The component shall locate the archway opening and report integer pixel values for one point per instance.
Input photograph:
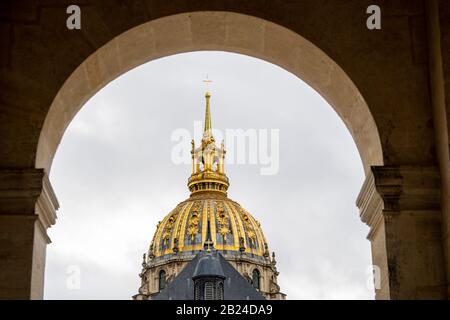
(223, 31)
(116, 175)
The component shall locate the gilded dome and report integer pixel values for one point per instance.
(233, 229)
(208, 221)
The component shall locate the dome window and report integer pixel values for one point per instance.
(162, 280)
(256, 279)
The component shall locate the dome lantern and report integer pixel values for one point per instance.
(208, 160)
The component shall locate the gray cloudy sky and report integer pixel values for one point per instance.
(115, 179)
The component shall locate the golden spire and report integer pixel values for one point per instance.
(208, 125)
(208, 172)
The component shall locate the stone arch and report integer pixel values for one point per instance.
(401, 72)
(220, 31)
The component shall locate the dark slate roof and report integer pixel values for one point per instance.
(236, 287)
(208, 265)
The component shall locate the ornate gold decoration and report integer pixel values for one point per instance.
(194, 220)
(251, 234)
(208, 184)
(222, 220)
(208, 160)
(165, 237)
(168, 227)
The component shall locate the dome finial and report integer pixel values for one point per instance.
(207, 125)
(208, 173)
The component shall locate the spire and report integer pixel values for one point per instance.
(208, 160)
(207, 125)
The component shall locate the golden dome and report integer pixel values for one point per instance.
(233, 229)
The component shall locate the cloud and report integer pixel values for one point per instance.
(115, 180)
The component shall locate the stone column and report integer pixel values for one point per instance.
(27, 208)
(438, 35)
(401, 205)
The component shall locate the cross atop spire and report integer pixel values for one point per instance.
(208, 160)
(207, 82)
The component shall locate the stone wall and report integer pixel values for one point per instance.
(391, 87)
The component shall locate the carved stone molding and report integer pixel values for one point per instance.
(19, 190)
(388, 190)
(401, 205)
(370, 204)
(28, 192)
(46, 205)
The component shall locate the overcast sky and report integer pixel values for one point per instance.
(115, 177)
